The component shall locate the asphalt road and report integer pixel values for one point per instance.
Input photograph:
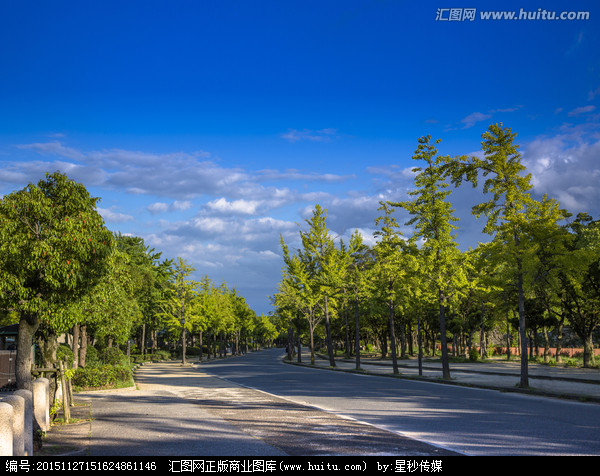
(465, 420)
(177, 410)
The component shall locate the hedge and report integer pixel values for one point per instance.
(103, 376)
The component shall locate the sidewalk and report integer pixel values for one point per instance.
(152, 418)
(561, 382)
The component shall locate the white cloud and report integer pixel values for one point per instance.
(593, 94)
(322, 135)
(161, 207)
(158, 207)
(53, 148)
(112, 216)
(474, 118)
(245, 207)
(566, 167)
(582, 110)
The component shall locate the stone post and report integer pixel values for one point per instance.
(18, 424)
(41, 403)
(6, 429)
(28, 428)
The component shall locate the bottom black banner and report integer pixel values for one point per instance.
(231, 465)
(253, 464)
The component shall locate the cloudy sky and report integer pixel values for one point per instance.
(210, 128)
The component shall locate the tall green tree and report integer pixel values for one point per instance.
(357, 281)
(146, 269)
(507, 210)
(177, 306)
(581, 283)
(390, 271)
(440, 259)
(302, 290)
(321, 261)
(54, 249)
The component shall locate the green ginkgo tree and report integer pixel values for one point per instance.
(508, 211)
(439, 257)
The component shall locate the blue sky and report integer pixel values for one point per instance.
(210, 128)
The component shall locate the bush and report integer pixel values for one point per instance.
(92, 359)
(192, 351)
(64, 353)
(104, 376)
(158, 355)
(474, 354)
(112, 356)
(161, 355)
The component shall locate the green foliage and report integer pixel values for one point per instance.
(102, 377)
(64, 354)
(92, 358)
(535, 262)
(53, 249)
(112, 356)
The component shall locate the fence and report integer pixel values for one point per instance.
(7, 369)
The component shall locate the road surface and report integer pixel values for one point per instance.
(465, 420)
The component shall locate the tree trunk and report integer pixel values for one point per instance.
(75, 346)
(328, 335)
(347, 350)
(393, 339)
(83, 349)
(524, 382)
(48, 346)
(312, 346)
(201, 344)
(357, 332)
(559, 338)
(143, 343)
(507, 333)
(444, 343)
(28, 325)
(419, 345)
(290, 340)
(588, 351)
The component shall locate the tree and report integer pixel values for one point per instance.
(112, 308)
(390, 270)
(177, 305)
(53, 250)
(147, 275)
(319, 256)
(439, 257)
(357, 282)
(581, 283)
(507, 211)
(302, 290)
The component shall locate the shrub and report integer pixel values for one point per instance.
(161, 355)
(104, 376)
(64, 354)
(474, 354)
(92, 359)
(112, 356)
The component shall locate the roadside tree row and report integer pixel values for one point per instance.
(63, 273)
(538, 274)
